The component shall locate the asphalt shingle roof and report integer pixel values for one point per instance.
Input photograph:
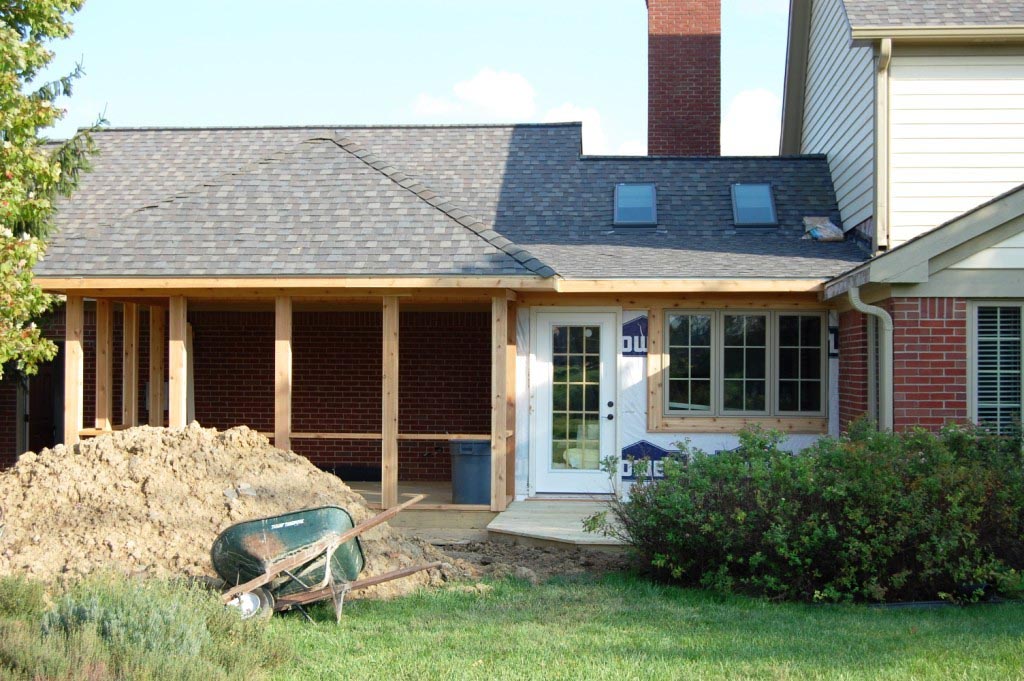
(934, 13)
(427, 200)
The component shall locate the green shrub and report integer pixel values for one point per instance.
(871, 516)
(134, 629)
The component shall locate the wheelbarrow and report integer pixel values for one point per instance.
(291, 560)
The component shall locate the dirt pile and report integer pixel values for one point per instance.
(152, 500)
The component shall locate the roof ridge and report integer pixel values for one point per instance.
(444, 205)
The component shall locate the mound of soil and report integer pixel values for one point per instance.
(152, 500)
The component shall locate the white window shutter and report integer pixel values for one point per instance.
(998, 392)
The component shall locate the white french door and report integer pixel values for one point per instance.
(574, 376)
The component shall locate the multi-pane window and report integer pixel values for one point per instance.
(576, 397)
(997, 395)
(745, 363)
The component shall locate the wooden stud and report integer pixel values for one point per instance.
(177, 406)
(74, 368)
(157, 331)
(499, 400)
(130, 365)
(104, 400)
(283, 372)
(655, 373)
(389, 405)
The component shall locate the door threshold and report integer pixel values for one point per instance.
(570, 496)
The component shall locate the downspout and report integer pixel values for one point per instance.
(885, 380)
(883, 237)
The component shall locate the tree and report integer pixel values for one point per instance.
(34, 171)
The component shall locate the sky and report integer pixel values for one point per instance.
(253, 62)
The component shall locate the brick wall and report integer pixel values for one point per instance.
(444, 381)
(929, 361)
(853, 367)
(684, 77)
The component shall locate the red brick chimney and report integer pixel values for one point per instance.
(684, 79)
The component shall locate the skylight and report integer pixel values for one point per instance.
(753, 205)
(635, 204)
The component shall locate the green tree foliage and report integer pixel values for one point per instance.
(33, 170)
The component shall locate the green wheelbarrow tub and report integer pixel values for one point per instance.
(251, 548)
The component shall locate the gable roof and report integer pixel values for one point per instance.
(423, 200)
(914, 261)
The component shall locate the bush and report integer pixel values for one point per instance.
(871, 516)
(111, 627)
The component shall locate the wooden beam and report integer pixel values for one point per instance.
(499, 397)
(130, 365)
(689, 285)
(104, 400)
(177, 406)
(283, 372)
(389, 405)
(655, 368)
(336, 436)
(157, 331)
(281, 284)
(74, 368)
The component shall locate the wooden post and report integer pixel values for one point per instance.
(130, 366)
(157, 329)
(74, 367)
(499, 406)
(389, 406)
(104, 364)
(283, 373)
(177, 406)
(510, 411)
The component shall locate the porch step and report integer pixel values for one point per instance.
(551, 523)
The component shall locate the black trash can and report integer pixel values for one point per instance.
(471, 472)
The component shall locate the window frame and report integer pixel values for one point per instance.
(771, 204)
(662, 419)
(653, 222)
(972, 350)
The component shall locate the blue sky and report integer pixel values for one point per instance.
(251, 62)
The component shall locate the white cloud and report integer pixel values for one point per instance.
(594, 139)
(632, 148)
(751, 124)
(498, 93)
(488, 96)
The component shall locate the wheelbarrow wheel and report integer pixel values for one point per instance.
(255, 604)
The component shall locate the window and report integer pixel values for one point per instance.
(730, 363)
(753, 205)
(997, 366)
(635, 204)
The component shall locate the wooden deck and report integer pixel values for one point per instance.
(551, 523)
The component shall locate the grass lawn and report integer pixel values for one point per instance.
(623, 627)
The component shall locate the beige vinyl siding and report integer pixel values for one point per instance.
(839, 109)
(956, 136)
(1006, 255)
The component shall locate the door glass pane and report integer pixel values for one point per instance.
(576, 374)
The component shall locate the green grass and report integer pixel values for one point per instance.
(623, 627)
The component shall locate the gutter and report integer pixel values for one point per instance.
(885, 360)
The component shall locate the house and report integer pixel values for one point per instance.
(370, 295)
(919, 107)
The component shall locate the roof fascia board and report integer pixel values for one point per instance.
(690, 285)
(797, 49)
(162, 284)
(939, 33)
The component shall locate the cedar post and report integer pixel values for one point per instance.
(177, 407)
(510, 411)
(283, 372)
(74, 368)
(130, 366)
(389, 405)
(499, 405)
(157, 327)
(104, 364)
